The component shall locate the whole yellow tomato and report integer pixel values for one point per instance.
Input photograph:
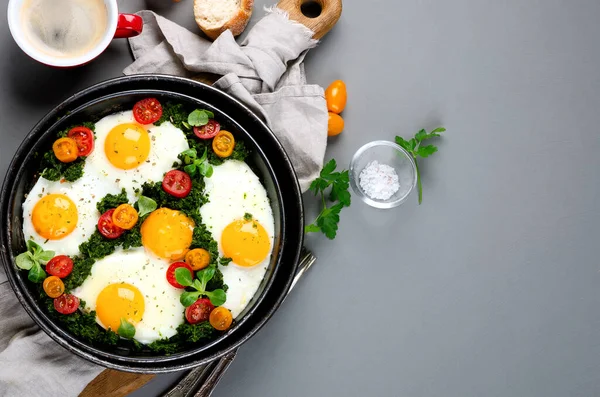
(336, 96)
(335, 125)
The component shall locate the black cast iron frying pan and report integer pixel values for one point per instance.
(269, 161)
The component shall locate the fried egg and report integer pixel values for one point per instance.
(167, 233)
(60, 216)
(132, 285)
(129, 154)
(240, 218)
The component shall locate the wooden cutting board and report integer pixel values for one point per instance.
(321, 16)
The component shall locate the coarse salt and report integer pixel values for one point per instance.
(379, 181)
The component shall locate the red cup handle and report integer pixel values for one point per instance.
(128, 25)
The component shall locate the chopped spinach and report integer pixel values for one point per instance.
(82, 268)
(111, 201)
(53, 169)
(186, 335)
(97, 247)
(196, 332)
(177, 114)
(190, 205)
(82, 325)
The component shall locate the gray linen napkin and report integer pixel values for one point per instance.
(265, 71)
(267, 74)
(31, 363)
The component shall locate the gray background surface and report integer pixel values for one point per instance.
(491, 287)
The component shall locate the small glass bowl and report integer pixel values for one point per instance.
(391, 154)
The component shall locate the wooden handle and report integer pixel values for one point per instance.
(307, 13)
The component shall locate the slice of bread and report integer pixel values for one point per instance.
(216, 16)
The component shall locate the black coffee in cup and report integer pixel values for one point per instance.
(64, 28)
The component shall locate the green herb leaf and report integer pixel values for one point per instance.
(328, 168)
(199, 117)
(339, 190)
(420, 135)
(412, 144)
(426, 151)
(197, 285)
(206, 169)
(190, 169)
(414, 147)
(36, 273)
(146, 205)
(186, 125)
(187, 299)
(312, 228)
(45, 256)
(34, 247)
(405, 145)
(183, 276)
(24, 261)
(205, 275)
(204, 156)
(191, 153)
(247, 216)
(329, 219)
(217, 297)
(126, 329)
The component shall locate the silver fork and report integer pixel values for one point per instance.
(201, 381)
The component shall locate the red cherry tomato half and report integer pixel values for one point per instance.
(147, 111)
(171, 273)
(209, 130)
(199, 311)
(66, 304)
(177, 183)
(107, 227)
(84, 137)
(60, 266)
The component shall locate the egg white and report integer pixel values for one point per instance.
(166, 142)
(163, 312)
(234, 190)
(85, 193)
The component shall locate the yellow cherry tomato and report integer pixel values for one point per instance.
(125, 216)
(223, 144)
(65, 150)
(53, 286)
(220, 318)
(335, 125)
(197, 258)
(336, 96)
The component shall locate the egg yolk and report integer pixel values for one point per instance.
(118, 301)
(127, 146)
(54, 216)
(167, 233)
(246, 242)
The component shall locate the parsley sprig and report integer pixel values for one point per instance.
(414, 147)
(328, 219)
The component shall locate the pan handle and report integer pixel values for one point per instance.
(202, 380)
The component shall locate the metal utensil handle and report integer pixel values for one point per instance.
(201, 381)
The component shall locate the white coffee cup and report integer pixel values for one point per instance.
(117, 26)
